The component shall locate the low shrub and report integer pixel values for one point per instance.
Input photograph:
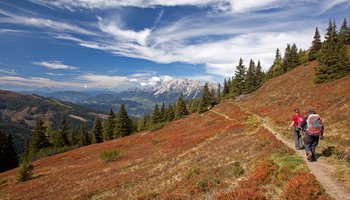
(24, 172)
(155, 141)
(108, 156)
(292, 162)
(237, 169)
(303, 185)
(2, 181)
(192, 172)
(156, 126)
(205, 184)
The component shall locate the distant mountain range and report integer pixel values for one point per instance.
(138, 100)
(18, 114)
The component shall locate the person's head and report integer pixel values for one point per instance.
(297, 111)
(311, 112)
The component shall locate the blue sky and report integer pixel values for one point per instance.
(94, 44)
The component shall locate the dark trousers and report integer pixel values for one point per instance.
(297, 137)
(311, 143)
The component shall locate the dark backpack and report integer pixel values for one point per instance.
(314, 125)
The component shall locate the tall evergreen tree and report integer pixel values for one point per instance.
(108, 126)
(181, 109)
(344, 33)
(276, 68)
(169, 113)
(39, 139)
(219, 92)
(162, 112)
(333, 62)
(61, 136)
(74, 136)
(206, 99)
(226, 89)
(156, 115)
(260, 76)
(123, 126)
(84, 138)
(316, 46)
(286, 64)
(96, 136)
(238, 83)
(294, 57)
(8, 155)
(250, 83)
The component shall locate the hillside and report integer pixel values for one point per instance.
(277, 99)
(18, 113)
(192, 158)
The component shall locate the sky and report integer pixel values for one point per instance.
(117, 44)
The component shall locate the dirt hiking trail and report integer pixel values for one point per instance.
(321, 169)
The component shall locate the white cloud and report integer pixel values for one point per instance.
(42, 23)
(96, 81)
(8, 71)
(37, 82)
(55, 64)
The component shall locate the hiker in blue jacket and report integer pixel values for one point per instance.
(313, 127)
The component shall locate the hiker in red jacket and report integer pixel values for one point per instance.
(313, 126)
(296, 128)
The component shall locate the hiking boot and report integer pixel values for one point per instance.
(309, 157)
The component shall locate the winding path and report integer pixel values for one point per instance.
(321, 169)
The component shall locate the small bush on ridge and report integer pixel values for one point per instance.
(24, 172)
(108, 156)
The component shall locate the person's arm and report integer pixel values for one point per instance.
(304, 122)
(291, 124)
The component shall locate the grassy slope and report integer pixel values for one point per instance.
(194, 158)
(277, 99)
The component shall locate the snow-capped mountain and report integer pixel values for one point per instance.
(189, 88)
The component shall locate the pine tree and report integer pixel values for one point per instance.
(294, 57)
(74, 136)
(276, 68)
(344, 33)
(156, 115)
(226, 89)
(8, 155)
(250, 83)
(170, 113)
(84, 138)
(97, 130)
(206, 99)
(303, 57)
(162, 112)
(219, 93)
(260, 76)
(181, 109)
(238, 83)
(61, 136)
(286, 64)
(316, 46)
(108, 126)
(123, 126)
(333, 62)
(39, 139)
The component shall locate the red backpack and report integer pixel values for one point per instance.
(314, 125)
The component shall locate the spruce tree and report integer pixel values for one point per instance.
(344, 33)
(219, 93)
(74, 136)
(61, 136)
(8, 155)
(276, 68)
(238, 83)
(156, 115)
(123, 126)
(39, 139)
(170, 113)
(226, 89)
(260, 76)
(333, 62)
(84, 138)
(206, 99)
(316, 46)
(181, 109)
(250, 83)
(294, 57)
(162, 112)
(286, 64)
(97, 130)
(108, 126)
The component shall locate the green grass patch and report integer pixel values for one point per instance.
(2, 181)
(157, 126)
(292, 162)
(193, 172)
(155, 141)
(253, 120)
(237, 169)
(108, 156)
